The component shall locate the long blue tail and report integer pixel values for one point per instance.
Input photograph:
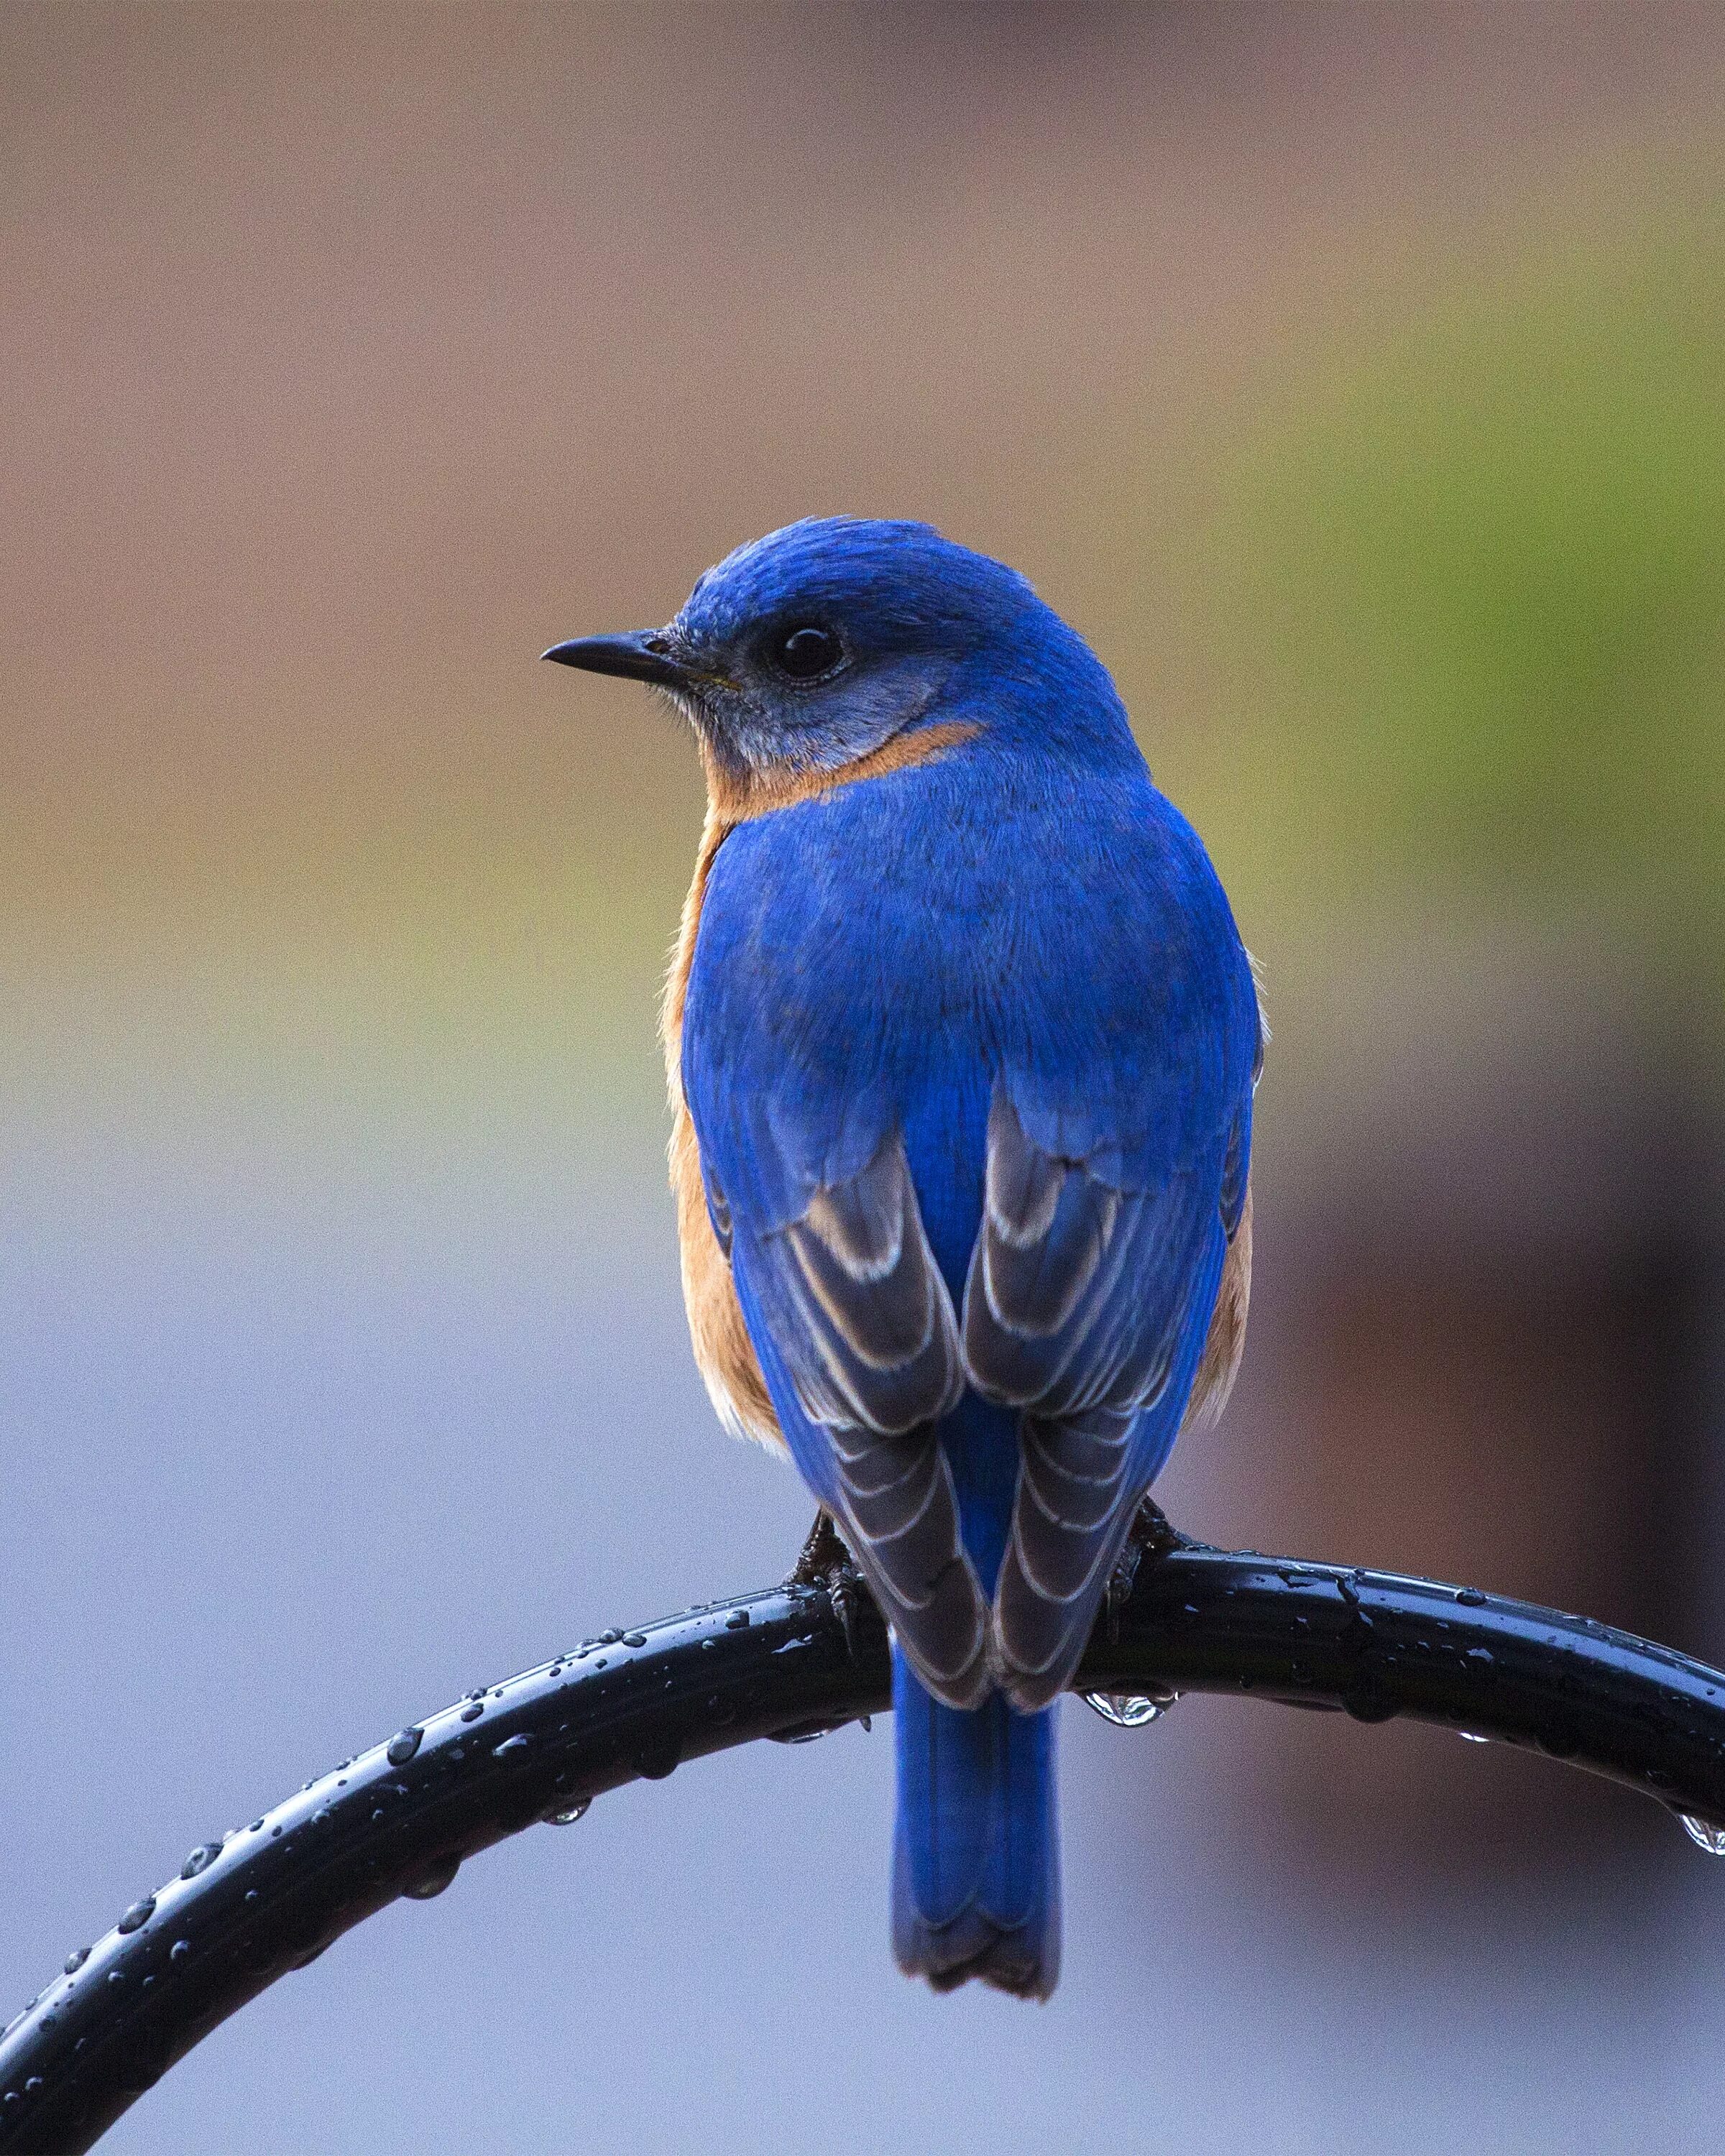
(976, 1870)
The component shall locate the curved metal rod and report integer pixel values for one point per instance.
(791, 1663)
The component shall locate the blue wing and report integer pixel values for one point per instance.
(810, 1190)
(1087, 1305)
(848, 1294)
(969, 1130)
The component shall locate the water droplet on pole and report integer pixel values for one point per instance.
(1127, 1710)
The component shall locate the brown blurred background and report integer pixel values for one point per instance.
(1354, 377)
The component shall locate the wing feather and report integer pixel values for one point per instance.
(862, 1324)
(1083, 1302)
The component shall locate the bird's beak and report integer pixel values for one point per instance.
(644, 654)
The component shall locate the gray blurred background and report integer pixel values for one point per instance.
(1354, 377)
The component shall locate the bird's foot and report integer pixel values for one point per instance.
(1152, 1534)
(826, 1563)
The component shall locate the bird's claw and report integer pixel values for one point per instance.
(825, 1563)
(823, 1552)
(1151, 1534)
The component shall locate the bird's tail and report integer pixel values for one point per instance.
(976, 1873)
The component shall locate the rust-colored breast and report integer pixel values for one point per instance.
(1226, 1341)
(736, 797)
(723, 1353)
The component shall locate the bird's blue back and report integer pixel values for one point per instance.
(882, 955)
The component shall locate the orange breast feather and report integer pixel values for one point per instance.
(1225, 1342)
(723, 1354)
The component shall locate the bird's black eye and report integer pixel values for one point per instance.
(806, 652)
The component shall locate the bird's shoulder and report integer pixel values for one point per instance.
(1072, 913)
(976, 849)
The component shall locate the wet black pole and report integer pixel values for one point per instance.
(787, 1663)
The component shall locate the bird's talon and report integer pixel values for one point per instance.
(823, 1553)
(826, 1563)
(1151, 1534)
(841, 1590)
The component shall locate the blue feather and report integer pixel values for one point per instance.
(976, 1867)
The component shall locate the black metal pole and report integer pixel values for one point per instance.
(789, 1663)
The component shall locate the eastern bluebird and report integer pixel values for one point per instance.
(962, 1043)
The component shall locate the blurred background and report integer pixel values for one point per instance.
(1354, 377)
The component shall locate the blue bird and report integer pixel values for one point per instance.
(962, 1044)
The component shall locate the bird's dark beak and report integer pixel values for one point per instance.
(644, 654)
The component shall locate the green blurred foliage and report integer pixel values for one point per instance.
(1469, 578)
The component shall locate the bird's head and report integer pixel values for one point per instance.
(805, 650)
